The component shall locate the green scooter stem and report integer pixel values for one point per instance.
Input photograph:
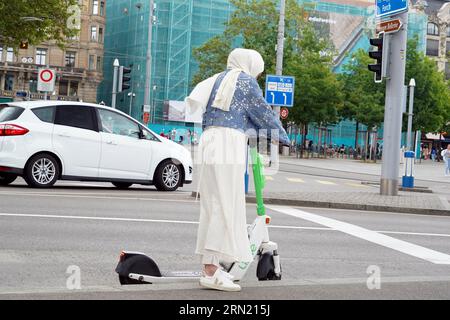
(259, 179)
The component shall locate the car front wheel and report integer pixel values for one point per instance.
(6, 179)
(42, 171)
(168, 177)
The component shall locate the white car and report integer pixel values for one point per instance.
(46, 141)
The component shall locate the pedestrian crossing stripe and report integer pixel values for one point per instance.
(269, 178)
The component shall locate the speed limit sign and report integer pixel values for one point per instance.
(46, 80)
(284, 113)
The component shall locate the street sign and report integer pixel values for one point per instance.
(46, 80)
(280, 90)
(284, 113)
(389, 26)
(390, 7)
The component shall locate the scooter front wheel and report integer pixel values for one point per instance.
(266, 268)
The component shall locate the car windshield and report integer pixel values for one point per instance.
(9, 113)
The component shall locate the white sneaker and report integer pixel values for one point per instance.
(219, 281)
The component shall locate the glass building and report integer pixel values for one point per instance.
(182, 25)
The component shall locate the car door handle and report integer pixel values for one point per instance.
(112, 143)
(65, 135)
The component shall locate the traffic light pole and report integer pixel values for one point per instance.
(393, 110)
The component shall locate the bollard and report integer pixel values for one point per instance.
(408, 177)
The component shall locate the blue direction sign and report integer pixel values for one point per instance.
(280, 90)
(390, 7)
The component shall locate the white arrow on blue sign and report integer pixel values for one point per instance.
(390, 7)
(280, 90)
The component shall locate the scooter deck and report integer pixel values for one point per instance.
(169, 277)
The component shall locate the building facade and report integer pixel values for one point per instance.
(79, 66)
(438, 32)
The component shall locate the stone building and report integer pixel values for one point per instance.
(79, 66)
(438, 32)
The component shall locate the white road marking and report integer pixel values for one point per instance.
(45, 216)
(50, 216)
(295, 180)
(269, 178)
(112, 196)
(369, 235)
(326, 182)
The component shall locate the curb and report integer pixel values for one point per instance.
(345, 206)
(350, 206)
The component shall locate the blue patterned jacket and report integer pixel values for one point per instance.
(249, 111)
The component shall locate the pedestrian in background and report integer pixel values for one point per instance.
(446, 156)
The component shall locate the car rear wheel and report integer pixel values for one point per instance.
(168, 176)
(6, 179)
(122, 185)
(42, 171)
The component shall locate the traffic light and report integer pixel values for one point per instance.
(23, 45)
(124, 78)
(381, 55)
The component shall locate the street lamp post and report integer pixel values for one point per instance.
(131, 95)
(114, 89)
(412, 84)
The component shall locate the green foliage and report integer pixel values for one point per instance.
(254, 25)
(431, 94)
(51, 23)
(363, 98)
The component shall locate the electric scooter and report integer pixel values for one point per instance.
(138, 268)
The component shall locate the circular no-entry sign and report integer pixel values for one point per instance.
(46, 75)
(284, 113)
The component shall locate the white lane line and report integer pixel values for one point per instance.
(296, 180)
(46, 216)
(50, 216)
(87, 196)
(329, 183)
(371, 236)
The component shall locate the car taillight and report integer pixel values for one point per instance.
(12, 130)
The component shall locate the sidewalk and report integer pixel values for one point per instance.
(406, 202)
(424, 171)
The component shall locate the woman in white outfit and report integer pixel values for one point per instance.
(232, 104)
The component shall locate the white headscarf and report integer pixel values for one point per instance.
(239, 60)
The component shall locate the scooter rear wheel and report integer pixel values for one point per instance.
(126, 281)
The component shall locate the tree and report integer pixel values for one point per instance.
(363, 98)
(35, 21)
(431, 94)
(254, 25)
(318, 94)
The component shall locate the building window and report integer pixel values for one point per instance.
(93, 33)
(33, 85)
(448, 32)
(100, 35)
(41, 56)
(73, 89)
(433, 48)
(102, 8)
(1, 53)
(432, 29)
(99, 64)
(70, 59)
(91, 62)
(63, 88)
(9, 82)
(10, 55)
(95, 7)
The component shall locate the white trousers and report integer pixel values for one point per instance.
(222, 233)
